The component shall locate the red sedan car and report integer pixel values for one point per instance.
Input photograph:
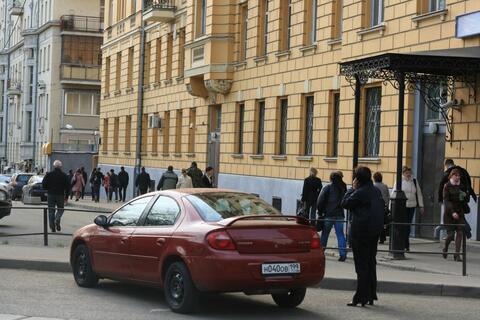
(201, 240)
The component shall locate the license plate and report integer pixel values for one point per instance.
(280, 268)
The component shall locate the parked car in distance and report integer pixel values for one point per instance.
(5, 178)
(33, 192)
(191, 241)
(17, 182)
(5, 202)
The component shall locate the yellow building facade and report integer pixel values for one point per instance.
(253, 88)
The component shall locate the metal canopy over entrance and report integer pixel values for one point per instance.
(420, 71)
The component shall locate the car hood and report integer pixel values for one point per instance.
(85, 231)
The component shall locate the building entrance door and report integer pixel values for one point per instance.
(433, 156)
(214, 130)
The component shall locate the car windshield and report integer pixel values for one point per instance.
(222, 205)
(23, 178)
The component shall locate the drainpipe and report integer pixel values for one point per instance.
(138, 151)
(35, 92)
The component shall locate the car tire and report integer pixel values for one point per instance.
(82, 268)
(181, 294)
(291, 299)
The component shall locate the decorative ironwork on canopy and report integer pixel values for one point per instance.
(425, 72)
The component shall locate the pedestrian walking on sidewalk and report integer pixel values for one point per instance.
(69, 193)
(207, 179)
(123, 180)
(312, 185)
(78, 184)
(57, 185)
(106, 186)
(366, 206)
(143, 181)
(465, 182)
(454, 199)
(97, 182)
(411, 187)
(90, 179)
(85, 177)
(329, 204)
(196, 175)
(184, 181)
(168, 180)
(113, 186)
(382, 187)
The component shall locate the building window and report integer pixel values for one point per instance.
(79, 50)
(168, 73)
(262, 28)
(116, 124)
(166, 132)
(105, 135)
(308, 125)
(118, 73)
(121, 6)
(334, 118)
(155, 138)
(201, 17)
(178, 131)
(1, 129)
(260, 127)
(285, 24)
(133, 6)
(146, 64)
(110, 13)
(130, 67)
(28, 126)
(435, 96)
(436, 5)
(82, 103)
(243, 26)
(181, 52)
(239, 124)
(107, 75)
(282, 122)
(192, 117)
(372, 121)
(128, 132)
(158, 59)
(30, 84)
(337, 26)
(310, 22)
(376, 12)
(144, 137)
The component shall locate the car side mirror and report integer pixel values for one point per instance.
(101, 221)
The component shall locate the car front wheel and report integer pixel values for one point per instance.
(82, 268)
(290, 299)
(180, 292)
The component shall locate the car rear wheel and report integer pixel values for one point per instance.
(180, 292)
(290, 299)
(82, 268)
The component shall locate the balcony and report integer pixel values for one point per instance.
(81, 23)
(72, 73)
(16, 8)
(159, 10)
(14, 88)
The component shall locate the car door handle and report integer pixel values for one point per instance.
(123, 240)
(160, 241)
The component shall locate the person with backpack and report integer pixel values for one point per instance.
(411, 187)
(329, 205)
(168, 180)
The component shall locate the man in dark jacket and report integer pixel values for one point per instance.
(312, 185)
(85, 179)
(367, 208)
(207, 179)
(123, 183)
(143, 181)
(113, 186)
(196, 175)
(465, 181)
(168, 180)
(96, 181)
(56, 183)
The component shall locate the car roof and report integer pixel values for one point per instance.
(193, 191)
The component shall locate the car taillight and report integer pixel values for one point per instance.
(220, 240)
(315, 242)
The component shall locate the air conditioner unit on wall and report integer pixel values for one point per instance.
(154, 121)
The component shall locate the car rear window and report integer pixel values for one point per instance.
(222, 205)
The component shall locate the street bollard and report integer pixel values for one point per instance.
(45, 227)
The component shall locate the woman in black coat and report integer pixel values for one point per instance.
(367, 208)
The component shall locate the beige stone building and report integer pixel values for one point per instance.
(253, 88)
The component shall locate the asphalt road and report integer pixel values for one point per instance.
(23, 221)
(55, 295)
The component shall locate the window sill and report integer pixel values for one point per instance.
(330, 159)
(308, 49)
(333, 42)
(143, 154)
(378, 28)
(156, 85)
(165, 154)
(179, 79)
(257, 156)
(240, 65)
(167, 82)
(104, 152)
(106, 95)
(177, 155)
(190, 155)
(127, 153)
(117, 93)
(369, 160)
(305, 158)
(280, 157)
(115, 153)
(281, 54)
(260, 59)
(154, 154)
(129, 90)
(425, 16)
(237, 156)
(146, 87)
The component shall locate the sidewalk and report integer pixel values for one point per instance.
(88, 204)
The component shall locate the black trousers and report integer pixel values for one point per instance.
(122, 190)
(364, 255)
